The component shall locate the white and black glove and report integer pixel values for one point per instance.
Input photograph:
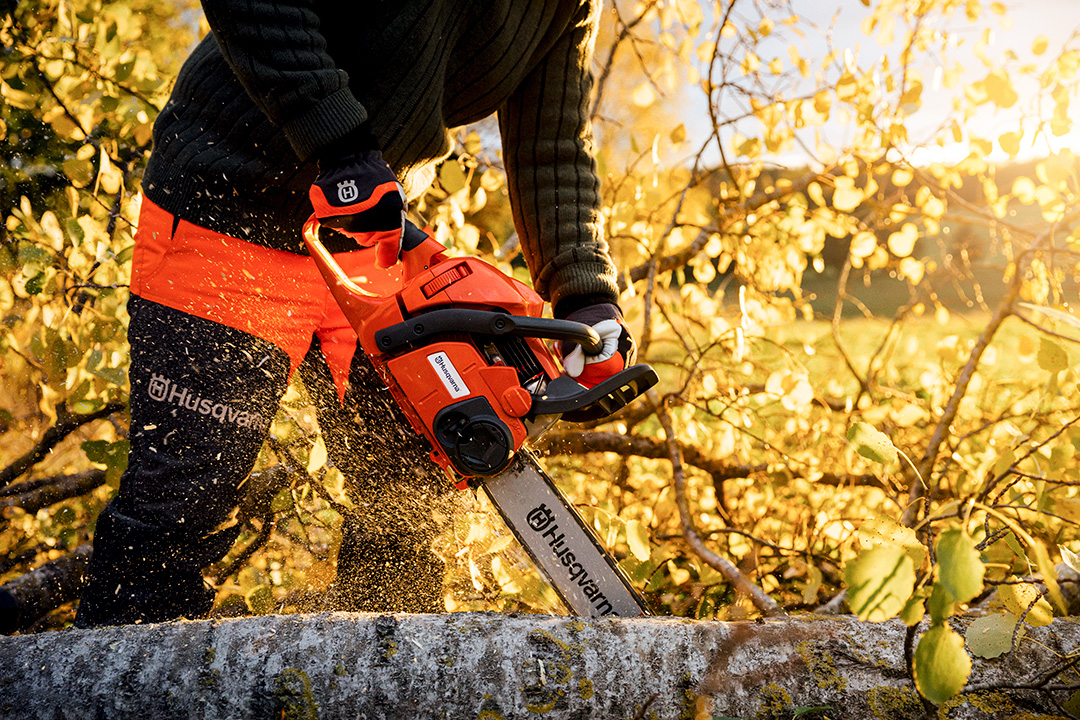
(618, 353)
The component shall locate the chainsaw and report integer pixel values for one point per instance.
(461, 346)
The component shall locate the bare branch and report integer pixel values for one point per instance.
(67, 423)
(59, 488)
(725, 567)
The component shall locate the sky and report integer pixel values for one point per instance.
(1057, 20)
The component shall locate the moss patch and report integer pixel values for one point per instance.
(894, 703)
(292, 688)
(821, 665)
(775, 703)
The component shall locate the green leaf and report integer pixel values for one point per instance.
(941, 605)
(35, 284)
(1052, 357)
(637, 537)
(1072, 705)
(991, 635)
(871, 444)
(915, 609)
(879, 582)
(887, 531)
(282, 501)
(260, 599)
(96, 450)
(941, 665)
(960, 568)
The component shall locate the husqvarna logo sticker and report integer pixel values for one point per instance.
(346, 191)
(539, 518)
(449, 375)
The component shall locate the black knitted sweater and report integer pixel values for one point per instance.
(279, 80)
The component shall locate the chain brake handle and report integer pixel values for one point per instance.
(419, 252)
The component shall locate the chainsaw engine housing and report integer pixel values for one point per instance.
(462, 348)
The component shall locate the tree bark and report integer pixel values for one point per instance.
(487, 665)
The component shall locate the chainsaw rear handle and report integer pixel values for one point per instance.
(418, 330)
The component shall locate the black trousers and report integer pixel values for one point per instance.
(203, 396)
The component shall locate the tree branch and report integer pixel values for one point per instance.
(725, 567)
(67, 422)
(60, 487)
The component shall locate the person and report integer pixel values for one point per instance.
(286, 107)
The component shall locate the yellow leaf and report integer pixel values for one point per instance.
(1038, 47)
(1000, 90)
(637, 537)
(912, 269)
(317, 458)
(1010, 143)
(1024, 190)
(1018, 597)
(643, 95)
(863, 244)
(451, 176)
(901, 177)
(902, 242)
(846, 197)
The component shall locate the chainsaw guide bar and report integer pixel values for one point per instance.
(564, 549)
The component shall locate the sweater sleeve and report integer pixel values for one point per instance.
(280, 56)
(551, 172)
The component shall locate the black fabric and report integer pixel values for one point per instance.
(202, 399)
(356, 141)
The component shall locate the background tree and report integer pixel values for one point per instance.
(858, 299)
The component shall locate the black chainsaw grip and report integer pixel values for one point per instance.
(425, 326)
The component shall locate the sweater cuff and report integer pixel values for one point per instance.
(593, 282)
(325, 122)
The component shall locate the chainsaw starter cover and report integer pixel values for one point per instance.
(473, 436)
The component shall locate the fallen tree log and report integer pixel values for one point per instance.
(490, 666)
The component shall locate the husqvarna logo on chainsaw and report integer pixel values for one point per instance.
(542, 520)
(539, 517)
(346, 191)
(449, 375)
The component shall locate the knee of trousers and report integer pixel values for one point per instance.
(135, 552)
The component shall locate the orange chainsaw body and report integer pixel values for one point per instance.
(451, 368)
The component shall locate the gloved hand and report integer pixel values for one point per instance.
(358, 195)
(619, 350)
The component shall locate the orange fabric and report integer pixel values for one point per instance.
(272, 294)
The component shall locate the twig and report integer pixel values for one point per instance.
(739, 582)
(267, 529)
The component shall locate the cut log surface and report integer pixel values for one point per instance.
(486, 666)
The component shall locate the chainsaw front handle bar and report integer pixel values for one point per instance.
(484, 322)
